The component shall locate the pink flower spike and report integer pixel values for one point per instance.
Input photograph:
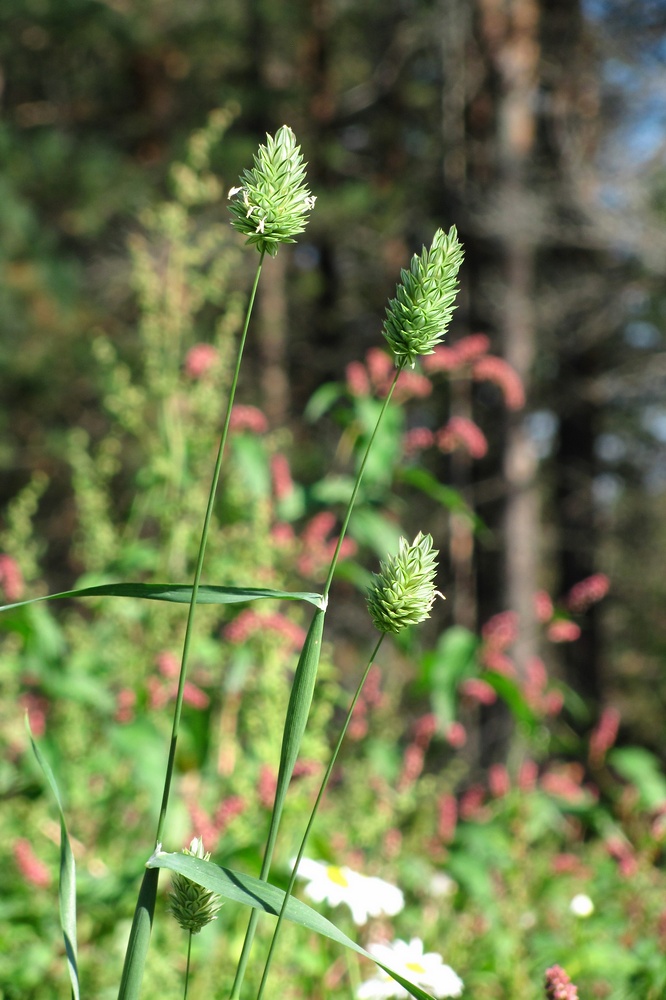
(444, 359)
(563, 630)
(447, 817)
(589, 591)
(527, 776)
(472, 347)
(499, 782)
(283, 485)
(477, 690)
(456, 735)
(417, 439)
(501, 630)
(543, 606)
(604, 735)
(498, 371)
(11, 578)
(464, 433)
(558, 985)
(31, 867)
(200, 359)
(194, 696)
(248, 418)
(358, 383)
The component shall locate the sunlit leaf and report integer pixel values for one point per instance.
(260, 895)
(178, 593)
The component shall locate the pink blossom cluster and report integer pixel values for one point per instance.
(462, 432)
(565, 781)
(162, 687)
(535, 689)
(558, 985)
(250, 622)
(587, 592)
(248, 418)
(479, 691)
(30, 866)
(558, 629)
(621, 851)
(200, 359)
(450, 358)
(604, 735)
(377, 374)
(36, 705)
(370, 697)
(11, 578)
(471, 353)
(498, 633)
(210, 829)
(447, 817)
(283, 484)
(317, 547)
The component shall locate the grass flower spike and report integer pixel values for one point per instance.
(418, 317)
(191, 904)
(272, 202)
(403, 592)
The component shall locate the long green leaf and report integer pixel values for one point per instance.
(261, 895)
(139, 939)
(178, 593)
(296, 719)
(67, 880)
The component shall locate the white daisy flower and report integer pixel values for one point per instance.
(365, 896)
(408, 959)
(581, 905)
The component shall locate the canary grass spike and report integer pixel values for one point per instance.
(418, 317)
(191, 904)
(271, 203)
(403, 592)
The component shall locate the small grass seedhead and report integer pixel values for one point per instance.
(418, 317)
(191, 904)
(271, 203)
(403, 592)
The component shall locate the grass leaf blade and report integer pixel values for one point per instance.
(261, 895)
(178, 593)
(67, 880)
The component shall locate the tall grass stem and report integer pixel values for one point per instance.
(189, 628)
(313, 814)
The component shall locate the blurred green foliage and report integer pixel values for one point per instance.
(489, 858)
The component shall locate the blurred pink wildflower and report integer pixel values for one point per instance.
(478, 690)
(283, 485)
(558, 985)
(31, 867)
(200, 359)
(604, 735)
(11, 578)
(498, 371)
(543, 606)
(248, 418)
(563, 630)
(464, 433)
(587, 592)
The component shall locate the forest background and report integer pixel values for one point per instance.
(537, 128)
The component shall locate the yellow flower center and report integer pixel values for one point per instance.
(335, 875)
(415, 967)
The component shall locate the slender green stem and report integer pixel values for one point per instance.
(268, 853)
(200, 561)
(187, 967)
(313, 814)
(357, 484)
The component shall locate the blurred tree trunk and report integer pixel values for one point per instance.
(509, 35)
